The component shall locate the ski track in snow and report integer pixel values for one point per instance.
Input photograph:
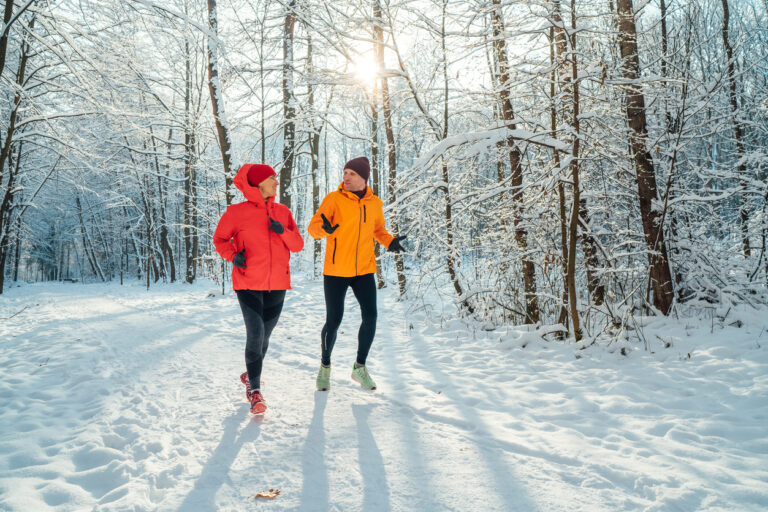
(118, 398)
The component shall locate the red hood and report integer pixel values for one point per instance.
(250, 192)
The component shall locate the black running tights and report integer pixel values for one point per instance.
(261, 310)
(364, 288)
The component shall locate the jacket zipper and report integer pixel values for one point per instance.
(364, 217)
(359, 229)
(333, 258)
(269, 241)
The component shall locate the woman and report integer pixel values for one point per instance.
(350, 218)
(257, 236)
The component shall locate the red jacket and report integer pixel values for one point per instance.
(246, 226)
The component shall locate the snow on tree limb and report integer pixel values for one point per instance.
(489, 137)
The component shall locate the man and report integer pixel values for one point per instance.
(350, 219)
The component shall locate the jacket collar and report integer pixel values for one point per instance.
(352, 195)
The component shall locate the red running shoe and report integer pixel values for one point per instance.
(258, 405)
(247, 383)
(245, 380)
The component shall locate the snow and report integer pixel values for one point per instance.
(119, 398)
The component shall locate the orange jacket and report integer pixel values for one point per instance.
(246, 226)
(349, 250)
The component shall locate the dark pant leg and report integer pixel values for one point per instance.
(252, 306)
(335, 289)
(364, 288)
(273, 306)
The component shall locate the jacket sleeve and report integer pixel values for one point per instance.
(380, 232)
(222, 237)
(327, 207)
(291, 236)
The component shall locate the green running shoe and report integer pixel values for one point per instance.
(361, 375)
(324, 378)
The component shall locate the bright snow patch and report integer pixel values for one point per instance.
(118, 398)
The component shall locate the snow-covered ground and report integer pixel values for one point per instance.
(118, 398)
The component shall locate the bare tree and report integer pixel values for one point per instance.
(738, 131)
(660, 275)
(289, 108)
(515, 164)
(217, 102)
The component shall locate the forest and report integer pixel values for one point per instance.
(560, 163)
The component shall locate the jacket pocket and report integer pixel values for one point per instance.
(333, 257)
(363, 213)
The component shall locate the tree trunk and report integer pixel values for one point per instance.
(573, 84)
(289, 109)
(738, 131)
(17, 256)
(375, 160)
(217, 102)
(4, 40)
(563, 316)
(515, 157)
(189, 169)
(314, 150)
(660, 275)
(87, 244)
(391, 154)
(6, 204)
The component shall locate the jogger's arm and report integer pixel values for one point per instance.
(222, 237)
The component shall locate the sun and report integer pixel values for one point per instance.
(365, 70)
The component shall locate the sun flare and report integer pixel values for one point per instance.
(365, 70)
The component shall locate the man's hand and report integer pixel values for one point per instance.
(275, 226)
(395, 246)
(327, 225)
(239, 259)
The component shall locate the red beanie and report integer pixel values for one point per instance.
(258, 173)
(360, 165)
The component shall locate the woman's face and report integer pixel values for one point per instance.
(353, 181)
(268, 187)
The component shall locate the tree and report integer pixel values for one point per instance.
(660, 276)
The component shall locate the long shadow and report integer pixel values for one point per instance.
(216, 471)
(414, 461)
(314, 485)
(375, 489)
(497, 468)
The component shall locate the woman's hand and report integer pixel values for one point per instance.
(275, 226)
(239, 259)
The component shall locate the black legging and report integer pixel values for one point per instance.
(335, 288)
(261, 310)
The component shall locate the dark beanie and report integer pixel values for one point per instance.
(360, 165)
(258, 173)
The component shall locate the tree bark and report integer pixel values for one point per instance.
(375, 174)
(738, 132)
(217, 102)
(314, 150)
(289, 109)
(390, 134)
(6, 204)
(515, 165)
(660, 275)
(5, 35)
(189, 173)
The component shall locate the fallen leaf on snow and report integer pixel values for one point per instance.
(269, 495)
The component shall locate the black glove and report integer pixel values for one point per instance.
(239, 259)
(275, 226)
(395, 246)
(327, 225)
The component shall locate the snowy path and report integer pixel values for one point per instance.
(115, 398)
